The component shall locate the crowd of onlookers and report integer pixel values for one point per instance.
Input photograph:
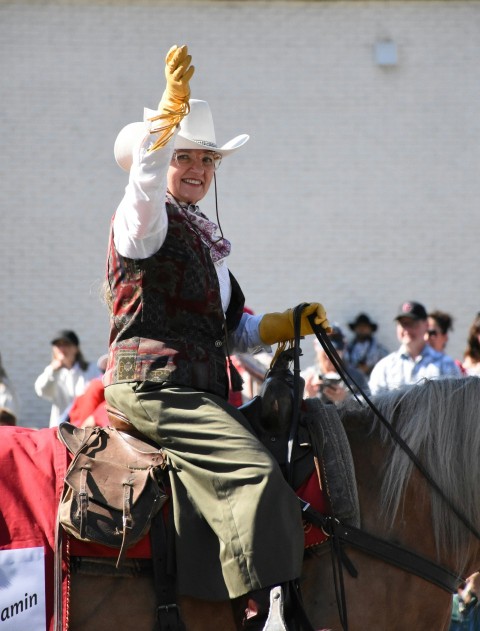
(74, 386)
(423, 338)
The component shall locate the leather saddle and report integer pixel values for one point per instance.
(321, 444)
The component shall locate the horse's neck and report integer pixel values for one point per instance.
(412, 525)
(369, 459)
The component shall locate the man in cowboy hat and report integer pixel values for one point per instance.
(364, 351)
(176, 313)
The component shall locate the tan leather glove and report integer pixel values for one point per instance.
(278, 327)
(173, 105)
(178, 73)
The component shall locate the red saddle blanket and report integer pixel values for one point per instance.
(33, 465)
(310, 492)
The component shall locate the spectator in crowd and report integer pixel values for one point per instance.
(322, 380)
(439, 325)
(8, 397)
(66, 376)
(364, 351)
(415, 359)
(471, 356)
(465, 607)
(176, 314)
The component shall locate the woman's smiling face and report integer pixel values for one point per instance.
(190, 174)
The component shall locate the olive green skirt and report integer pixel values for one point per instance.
(238, 523)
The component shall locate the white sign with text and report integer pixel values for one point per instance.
(22, 590)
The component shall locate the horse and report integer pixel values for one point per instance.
(439, 420)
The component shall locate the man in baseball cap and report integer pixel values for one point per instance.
(412, 310)
(66, 336)
(415, 359)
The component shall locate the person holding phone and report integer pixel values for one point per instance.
(322, 380)
(66, 376)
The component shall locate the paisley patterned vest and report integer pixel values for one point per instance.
(167, 322)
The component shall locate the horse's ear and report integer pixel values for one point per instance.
(72, 437)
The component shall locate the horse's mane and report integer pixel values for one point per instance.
(440, 421)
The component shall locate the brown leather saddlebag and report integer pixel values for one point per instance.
(112, 490)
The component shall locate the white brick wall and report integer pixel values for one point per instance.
(359, 186)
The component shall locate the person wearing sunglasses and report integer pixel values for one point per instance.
(439, 324)
(177, 313)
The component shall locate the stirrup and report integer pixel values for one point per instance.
(276, 620)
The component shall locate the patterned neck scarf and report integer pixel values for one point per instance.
(207, 230)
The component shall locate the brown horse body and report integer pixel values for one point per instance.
(439, 421)
(383, 597)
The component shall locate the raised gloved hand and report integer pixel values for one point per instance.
(173, 105)
(278, 327)
(178, 73)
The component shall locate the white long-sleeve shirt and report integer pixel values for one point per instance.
(62, 386)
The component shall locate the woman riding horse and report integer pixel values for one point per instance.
(176, 313)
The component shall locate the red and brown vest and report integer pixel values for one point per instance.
(167, 323)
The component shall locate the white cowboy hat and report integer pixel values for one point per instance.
(196, 131)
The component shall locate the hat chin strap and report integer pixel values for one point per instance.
(216, 205)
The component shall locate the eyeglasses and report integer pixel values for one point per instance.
(210, 161)
(432, 333)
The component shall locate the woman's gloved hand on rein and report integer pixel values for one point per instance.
(278, 327)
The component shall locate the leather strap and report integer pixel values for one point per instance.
(297, 320)
(164, 572)
(297, 606)
(126, 521)
(386, 551)
(83, 502)
(293, 586)
(58, 578)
